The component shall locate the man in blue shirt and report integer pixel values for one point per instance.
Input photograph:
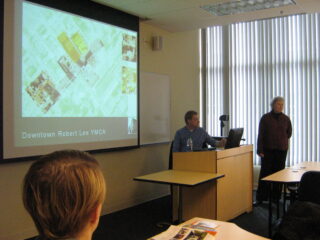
(192, 137)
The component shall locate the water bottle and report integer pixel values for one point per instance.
(189, 145)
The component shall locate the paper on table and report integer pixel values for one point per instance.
(183, 233)
(204, 225)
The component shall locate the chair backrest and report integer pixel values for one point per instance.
(170, 156)
(309, 188)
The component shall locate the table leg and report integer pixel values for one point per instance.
(278, 206)
(270, 209)
(180, 204)
(284, 198)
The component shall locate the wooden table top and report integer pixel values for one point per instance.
(177, 177)
(293, 174)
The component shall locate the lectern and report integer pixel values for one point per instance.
(225, 198)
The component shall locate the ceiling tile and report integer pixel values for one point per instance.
(183, 15)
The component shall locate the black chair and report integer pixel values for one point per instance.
(170, 167)
(170, 156)
(306, 190)
(292, 189)
(302, 220)
(309, 188)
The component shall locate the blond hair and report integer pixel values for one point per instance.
(61, 190)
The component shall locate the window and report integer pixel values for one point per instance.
(245, 65)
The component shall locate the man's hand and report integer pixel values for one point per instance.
(222, 142)
(261, 155)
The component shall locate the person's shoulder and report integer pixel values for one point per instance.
(268, 114)
(181, 130)
(285, 116)
(265, 116)
(200, 130)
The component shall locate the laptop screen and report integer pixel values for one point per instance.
(234, 138)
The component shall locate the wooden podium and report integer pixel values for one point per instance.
(225, 198)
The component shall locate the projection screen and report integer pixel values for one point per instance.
(68, 82)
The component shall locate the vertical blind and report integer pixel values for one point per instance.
(214, 79)
(258, 61)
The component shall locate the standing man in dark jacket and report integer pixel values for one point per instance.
(275, 129)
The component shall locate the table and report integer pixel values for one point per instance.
(236, 164)
(179, 178)
(228, 231)
(286, 176)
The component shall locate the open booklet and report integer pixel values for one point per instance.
(199, 230)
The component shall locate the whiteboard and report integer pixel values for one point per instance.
(154, 108)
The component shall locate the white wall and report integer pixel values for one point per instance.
(178, 59)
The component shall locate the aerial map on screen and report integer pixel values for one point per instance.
(76, 67)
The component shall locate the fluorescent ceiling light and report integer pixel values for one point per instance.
(241, 6)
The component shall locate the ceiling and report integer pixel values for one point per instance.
(184, 15)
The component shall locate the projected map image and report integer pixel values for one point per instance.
(76, 67)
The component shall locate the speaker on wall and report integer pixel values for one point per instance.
(156, 43)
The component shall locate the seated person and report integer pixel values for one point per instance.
(63, 192)
(197, 134)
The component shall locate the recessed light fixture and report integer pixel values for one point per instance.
(241, 6)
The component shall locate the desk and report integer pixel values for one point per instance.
(180, 178)
(236, 164)
(228, 231)
(285, 176)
